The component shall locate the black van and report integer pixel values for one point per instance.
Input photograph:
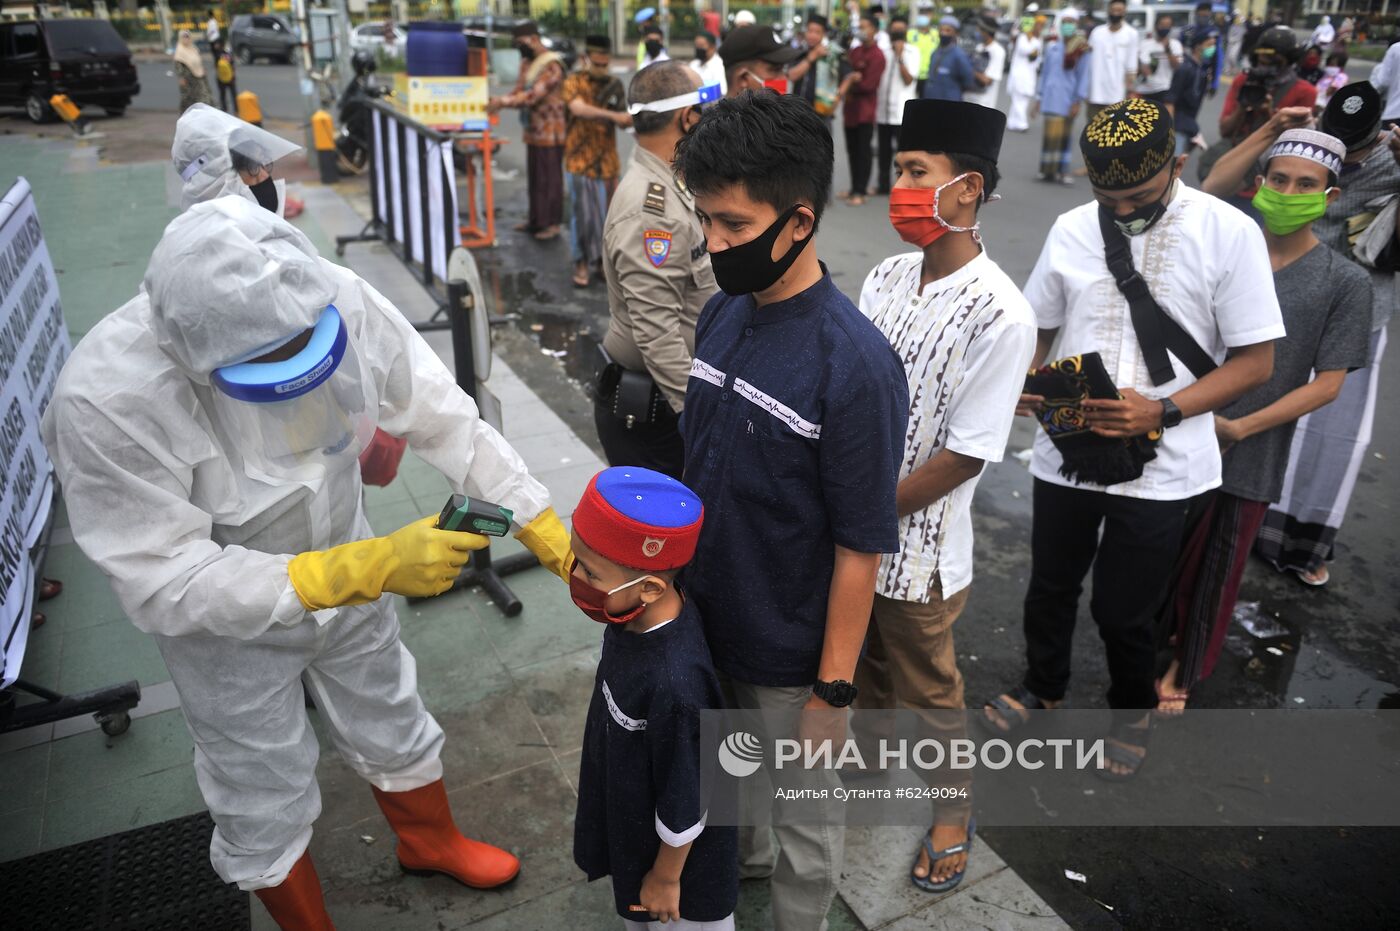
(83, 58)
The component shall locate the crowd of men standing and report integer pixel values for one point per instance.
(1202, 359)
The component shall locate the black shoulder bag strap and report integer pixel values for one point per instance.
(1156, 330)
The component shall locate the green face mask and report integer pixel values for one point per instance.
(1288, 213)
(1208, 52)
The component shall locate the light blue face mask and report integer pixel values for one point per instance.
(921, 22)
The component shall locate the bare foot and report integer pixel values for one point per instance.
(943, 836)
(522, 227)
(1316, 578)
(580, 274)
(1171, 698)
(548, 233)
(855, 200)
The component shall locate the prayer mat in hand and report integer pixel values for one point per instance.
(1089, 458)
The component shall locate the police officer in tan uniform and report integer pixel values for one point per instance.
(659, 278)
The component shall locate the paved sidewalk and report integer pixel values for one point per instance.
(511, 693)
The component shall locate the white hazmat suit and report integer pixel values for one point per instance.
(197, 550)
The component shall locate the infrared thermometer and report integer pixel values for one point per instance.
(475, 516)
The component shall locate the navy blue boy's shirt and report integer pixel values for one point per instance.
(794, 425)
(639, 776)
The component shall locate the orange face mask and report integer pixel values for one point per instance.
(914, 214)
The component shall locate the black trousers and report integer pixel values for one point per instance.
(858, 139)
(887, 136)
(656, 445)
(228, 97)
(1132, 562)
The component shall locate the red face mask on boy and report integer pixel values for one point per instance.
(593, 602)
(914, 214)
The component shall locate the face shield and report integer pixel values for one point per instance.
(217, 154)
(299, 418)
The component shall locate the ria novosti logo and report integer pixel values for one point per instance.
(741, 754)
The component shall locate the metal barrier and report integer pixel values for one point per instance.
(413, 199)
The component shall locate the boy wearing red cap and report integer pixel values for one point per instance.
(640, 816)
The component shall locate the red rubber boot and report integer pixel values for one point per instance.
(429, 841)
(297, 904)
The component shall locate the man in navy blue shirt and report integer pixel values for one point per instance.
(949, 69)
(794, 430)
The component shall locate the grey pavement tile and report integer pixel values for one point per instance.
(529, 418)
(875, 881)
(135, 803)
(566, 485)
(581, 905)
(26, 737)
(457, 664)
(549, 627)
(490, 738)
(87, 762)
(558, 692)
(23, 778)
(558, 450)
(21, 832)
(569, 764)
(530, 812)
(1002, 902)
(109, 653)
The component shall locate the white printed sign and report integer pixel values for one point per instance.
(33, 347)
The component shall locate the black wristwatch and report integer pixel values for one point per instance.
(1171, 414)
(837, 694)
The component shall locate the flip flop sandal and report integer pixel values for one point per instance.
(1009, 712)
(50, 588)
(1117, 753)
(951, 883)
(37, 620)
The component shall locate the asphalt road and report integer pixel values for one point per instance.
(275, 85)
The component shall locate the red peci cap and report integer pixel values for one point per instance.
(639, 518)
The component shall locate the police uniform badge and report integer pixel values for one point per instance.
(658, 246)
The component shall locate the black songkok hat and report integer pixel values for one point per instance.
(952, 127)
(1353, 115)
(1128, 143)
(597, 44)
(527, 28)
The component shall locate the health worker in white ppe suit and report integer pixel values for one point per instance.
(208, 432)
(216, 154)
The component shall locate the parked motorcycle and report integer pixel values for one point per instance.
(353, 114)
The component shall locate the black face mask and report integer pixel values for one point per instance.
(526, 52)
(266, 193)
(1143, 218)
(700, 54)
(1115, 18)
(653, 47)
(747, 268)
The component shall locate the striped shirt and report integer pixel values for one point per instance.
(966, 343)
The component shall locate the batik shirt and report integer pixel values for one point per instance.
(966, 343)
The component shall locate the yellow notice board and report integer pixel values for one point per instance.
(455, 102)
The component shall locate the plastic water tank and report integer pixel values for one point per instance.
(436, 50)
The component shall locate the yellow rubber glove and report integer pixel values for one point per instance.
(548, 538)
(417, 560)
